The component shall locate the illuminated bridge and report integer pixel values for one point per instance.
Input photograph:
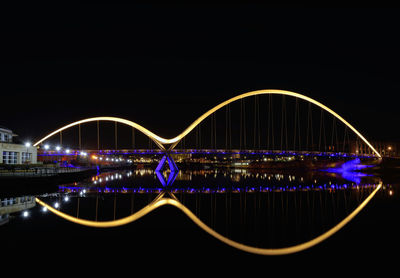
(258, 129)
(264, 122)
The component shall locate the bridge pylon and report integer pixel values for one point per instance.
(171, 163)
(172, 166)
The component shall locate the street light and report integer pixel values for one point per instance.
(46, 147)
(27, 145)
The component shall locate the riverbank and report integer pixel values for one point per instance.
(37, 184)
(388, 170)
(44, 180)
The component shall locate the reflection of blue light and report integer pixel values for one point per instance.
(171, 178)
(161, 178)
(216, 189)
(354, 177)
(349, 169)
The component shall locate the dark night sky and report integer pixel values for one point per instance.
(163, 66)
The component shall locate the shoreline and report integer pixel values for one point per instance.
(11, 185)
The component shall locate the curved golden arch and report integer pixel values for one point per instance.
(105, 224)
(263, 92)
(157, 139)
(161, 201)
(161, 141)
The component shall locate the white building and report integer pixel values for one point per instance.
(11, 153)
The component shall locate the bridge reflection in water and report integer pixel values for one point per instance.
(277, 172)
(262, 213)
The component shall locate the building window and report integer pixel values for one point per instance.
(26, 157)
(6, 136)
(10, 157)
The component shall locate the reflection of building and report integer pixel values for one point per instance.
(11, 153)
(385, 148)
(12, 205)
(180, 157)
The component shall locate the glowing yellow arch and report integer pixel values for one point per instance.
(161, 201)
(265, 92)
(162, 141)
(157, 139)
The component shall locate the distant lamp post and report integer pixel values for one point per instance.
(59, 156)
(27, 145)
(389, 150)
(46, 147)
